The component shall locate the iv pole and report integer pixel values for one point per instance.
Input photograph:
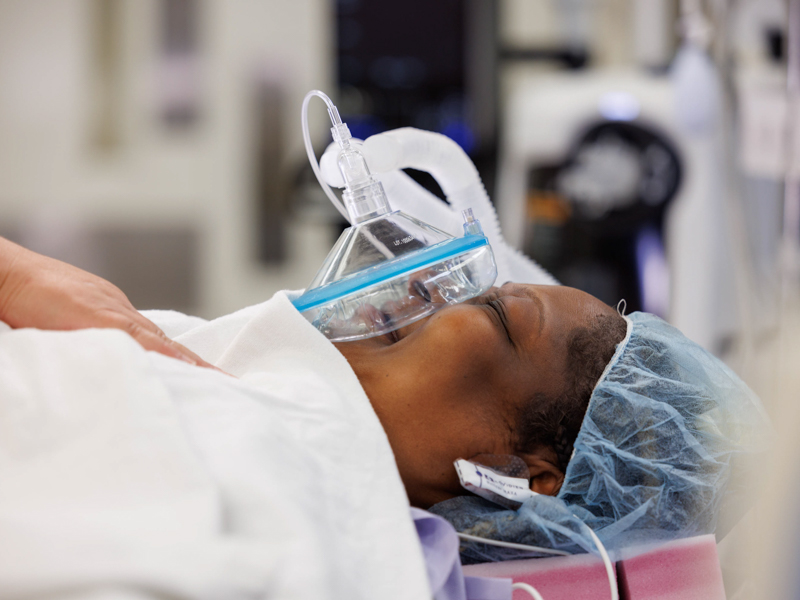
(790, 276)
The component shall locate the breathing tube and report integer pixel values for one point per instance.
(389, 152)
(388, 269)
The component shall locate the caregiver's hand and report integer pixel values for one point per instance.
(44, 293)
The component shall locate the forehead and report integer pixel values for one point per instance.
(561, 300)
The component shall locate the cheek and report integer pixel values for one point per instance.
(447, 376)
(457, 369)
(463, 340)
(431, 466)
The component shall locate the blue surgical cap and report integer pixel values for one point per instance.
(666, 449)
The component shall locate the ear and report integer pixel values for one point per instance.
(546, 477)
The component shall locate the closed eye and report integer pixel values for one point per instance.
(497, 306)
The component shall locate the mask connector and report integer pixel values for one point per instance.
(471, 225)
(364, 196)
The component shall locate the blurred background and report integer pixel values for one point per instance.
(637, 149)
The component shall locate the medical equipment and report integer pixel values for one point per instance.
(601, 551)
(687, 569)
(671, 441)
(547, 119)
(388, 269)
(504, 480)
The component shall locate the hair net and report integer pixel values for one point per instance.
(669, 440)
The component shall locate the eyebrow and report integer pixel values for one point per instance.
(540, 306)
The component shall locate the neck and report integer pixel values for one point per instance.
(365, 359)
(371, 360)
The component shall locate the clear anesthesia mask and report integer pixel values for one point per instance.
(388, 269)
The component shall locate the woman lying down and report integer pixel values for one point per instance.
(637, 432)
(126, 472)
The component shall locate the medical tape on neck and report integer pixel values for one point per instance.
(487, 483)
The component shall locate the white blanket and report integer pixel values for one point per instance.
(126, 474)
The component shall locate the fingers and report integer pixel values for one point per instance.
(150, 337)
(41, 292)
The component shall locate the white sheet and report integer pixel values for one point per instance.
(126, 474)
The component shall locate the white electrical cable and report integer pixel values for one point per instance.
(526, 587)
(601, 549)
(612, 579)
(312, 158)
(513, 546)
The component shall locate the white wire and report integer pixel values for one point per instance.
(612, 580)
(526, 587)
(475, 538)
(312, 158)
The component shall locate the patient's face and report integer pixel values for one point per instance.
(451, 386)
